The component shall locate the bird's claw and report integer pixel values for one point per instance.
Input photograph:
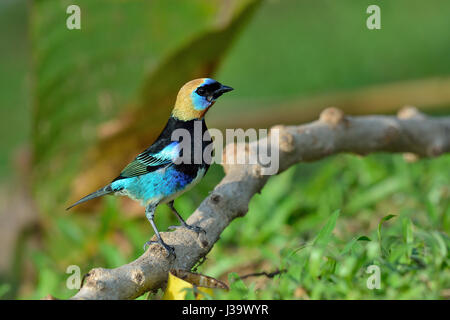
(196, 229)
(170, 250)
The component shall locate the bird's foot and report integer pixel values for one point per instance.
(187, 226)
(170, 250)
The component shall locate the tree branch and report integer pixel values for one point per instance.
(333, 133)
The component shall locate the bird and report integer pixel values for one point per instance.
(157, 175)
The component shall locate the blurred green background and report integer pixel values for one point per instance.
(77, 105)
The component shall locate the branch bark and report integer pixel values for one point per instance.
(409, 131)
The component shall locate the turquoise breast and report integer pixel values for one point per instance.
(154, 187)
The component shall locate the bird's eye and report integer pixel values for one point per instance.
(201, 91)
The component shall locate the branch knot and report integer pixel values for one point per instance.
(332, 116)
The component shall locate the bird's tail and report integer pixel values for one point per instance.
(100, 192)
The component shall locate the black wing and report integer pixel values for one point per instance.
(149, 161)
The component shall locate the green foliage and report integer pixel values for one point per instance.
(332, 273)
(328, 257)
(324, 236)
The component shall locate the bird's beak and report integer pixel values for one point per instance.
(223, 89)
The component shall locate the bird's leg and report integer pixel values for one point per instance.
(183, 223)
(150, 213)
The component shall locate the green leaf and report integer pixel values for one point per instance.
(384, 219)
(237, 285)
(408, 236)
(384, 251)
(349, 246)
(324, 236)
(315, 261)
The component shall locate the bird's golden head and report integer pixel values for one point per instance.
(196, 97)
